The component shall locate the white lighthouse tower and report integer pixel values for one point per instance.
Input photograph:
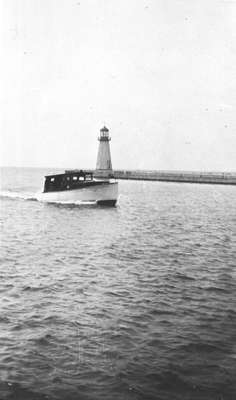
(104, 166)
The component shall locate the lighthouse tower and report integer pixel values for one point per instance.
(104, 166)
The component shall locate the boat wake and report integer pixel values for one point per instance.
(69, 203)
(38, 197)
(18, 195)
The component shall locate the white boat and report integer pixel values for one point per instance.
(79, 187)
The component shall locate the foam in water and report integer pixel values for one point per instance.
(18, 195)
(37, 197)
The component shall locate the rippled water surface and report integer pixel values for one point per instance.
(132, 302)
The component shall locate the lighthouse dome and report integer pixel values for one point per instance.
(104, 129)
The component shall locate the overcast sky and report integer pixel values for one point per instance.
(161, 74)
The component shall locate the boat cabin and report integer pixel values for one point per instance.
(67, 181)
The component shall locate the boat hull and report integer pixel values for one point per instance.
(103, 194)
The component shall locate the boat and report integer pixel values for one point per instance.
(80, 186)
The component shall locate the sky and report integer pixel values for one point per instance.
(161, 74)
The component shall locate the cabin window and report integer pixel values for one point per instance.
(52, 179)
(75, 178)
(68, 178)
(81, 178)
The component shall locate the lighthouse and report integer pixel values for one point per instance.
(104, 166)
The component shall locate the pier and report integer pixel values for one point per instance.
(220, 178)
(223, 178)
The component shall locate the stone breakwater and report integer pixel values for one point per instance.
(225, 178)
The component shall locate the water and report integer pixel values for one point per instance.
(132, 302)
